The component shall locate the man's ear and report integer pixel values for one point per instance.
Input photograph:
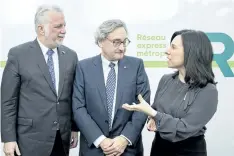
(41, 30)
(100, 44)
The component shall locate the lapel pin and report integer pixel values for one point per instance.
(125, 67)
(63, 52)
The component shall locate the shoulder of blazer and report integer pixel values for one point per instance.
(20, 49)
(133, 59)
(89, 60)
(71, 53)
(66, 49)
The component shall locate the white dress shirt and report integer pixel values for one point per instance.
(44, 50)
(106, 70)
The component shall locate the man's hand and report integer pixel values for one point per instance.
(106, 143)
(10, 148)
(117, 148)
(74, 139)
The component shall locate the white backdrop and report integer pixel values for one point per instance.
(157, 18)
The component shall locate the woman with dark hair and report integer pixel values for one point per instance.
(185, 101)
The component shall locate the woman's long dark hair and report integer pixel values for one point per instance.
(198, 57)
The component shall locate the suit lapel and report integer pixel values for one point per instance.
(122, 73)
(62, 69)
(99, 78)
(39, 57)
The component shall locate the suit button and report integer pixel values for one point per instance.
(57, 103)
(55, 122)
(106, 121)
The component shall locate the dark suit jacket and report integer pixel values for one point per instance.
(90, 108)
(31, 109)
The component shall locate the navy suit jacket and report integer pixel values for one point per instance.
(90, 108)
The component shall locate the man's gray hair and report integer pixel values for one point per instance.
(40, 16)
(106, 28)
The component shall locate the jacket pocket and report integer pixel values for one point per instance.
(24, 125)
(25, 121)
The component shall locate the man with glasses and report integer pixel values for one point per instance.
(102, 85)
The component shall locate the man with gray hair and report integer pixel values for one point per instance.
(102, 84)
(37, 91)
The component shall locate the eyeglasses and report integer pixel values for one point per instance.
(117, 42)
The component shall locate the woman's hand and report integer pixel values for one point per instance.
(143, 106)
(151, 126)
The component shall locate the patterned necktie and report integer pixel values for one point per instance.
(110, 92)
(50, 64)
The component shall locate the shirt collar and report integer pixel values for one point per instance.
(106, 62)
(44, 49)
